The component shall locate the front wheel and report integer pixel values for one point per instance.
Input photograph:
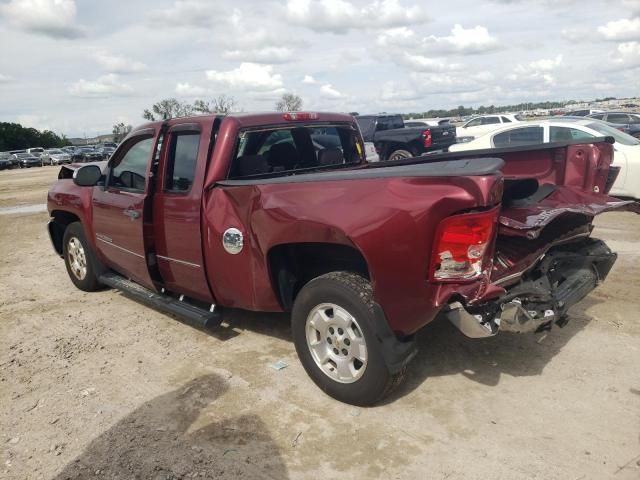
(79, 260)
(400, 155)
(332, 325)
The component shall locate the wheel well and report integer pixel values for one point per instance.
(61, 220)
(293, 265)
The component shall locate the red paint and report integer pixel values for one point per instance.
(392, 222)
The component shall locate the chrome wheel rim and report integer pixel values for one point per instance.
(336, 343)
(77, 258)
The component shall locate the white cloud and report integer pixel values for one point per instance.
(627, 55)
(327, 91)
(5, 78)
(54, 18)
(251, 77)
(537, 70)
(309, 80)
(117, 64)
(261, 55)
(401, 36)
(462, 40)
(403, 47)
(420, 63)
(341, 16)
(632, 6)
(105, 86)
(187, 90)
(621, 30)
(189, 13)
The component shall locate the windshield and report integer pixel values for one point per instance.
(55, 151)
(23, 155)
(619, 136)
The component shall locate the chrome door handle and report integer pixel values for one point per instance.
(132, 214)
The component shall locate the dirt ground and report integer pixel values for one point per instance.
(97, 386)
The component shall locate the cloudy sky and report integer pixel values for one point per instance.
(79, 66)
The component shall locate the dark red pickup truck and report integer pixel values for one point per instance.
(280, 212)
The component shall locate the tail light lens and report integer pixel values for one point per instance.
(300, 116)
(428, 141)
(461, 245)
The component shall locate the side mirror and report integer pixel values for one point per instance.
(87, 176)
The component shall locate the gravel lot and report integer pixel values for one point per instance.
(97, 386)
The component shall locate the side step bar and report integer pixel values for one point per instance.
(194, 316)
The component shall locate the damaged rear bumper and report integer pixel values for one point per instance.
(562, 278)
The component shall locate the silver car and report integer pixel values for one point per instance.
(55, 156)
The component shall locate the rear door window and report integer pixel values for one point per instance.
(519, 136)
(490, 120)
(181, 163)
(287, 151)
(618, 118)
(565, 134)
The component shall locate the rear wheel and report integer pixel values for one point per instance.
(400, 155)
(332, 324)
(79, 259)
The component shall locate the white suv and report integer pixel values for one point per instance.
(484, 124)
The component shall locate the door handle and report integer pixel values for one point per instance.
(132, 214)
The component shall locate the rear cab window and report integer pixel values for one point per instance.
(290, 150)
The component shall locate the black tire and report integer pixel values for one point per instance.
(400, 155)
(354, 294)
(89, 282)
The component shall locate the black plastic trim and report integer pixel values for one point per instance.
(396, 353)
(452, 168)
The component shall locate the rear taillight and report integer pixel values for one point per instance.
(461, 245)
(428, 141)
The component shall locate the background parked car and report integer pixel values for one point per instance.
(14, 158)
(86, 154)
(55, 156)
(70, 150)
(628, 122)
(483, 124)
(626, 147)
(106, 151)
(28, 160)
(394, 141)
(5, 161)
(582, 113)
(35, 151)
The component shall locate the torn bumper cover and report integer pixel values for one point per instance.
(563, 277)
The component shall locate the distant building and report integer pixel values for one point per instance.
(92, 140)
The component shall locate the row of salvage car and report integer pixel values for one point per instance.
(505, 131)
(39, 157)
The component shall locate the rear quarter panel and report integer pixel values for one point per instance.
(391, 221)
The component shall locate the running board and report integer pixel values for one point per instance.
(194, 316)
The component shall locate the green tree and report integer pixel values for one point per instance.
(14, 136)
(166, 109)
(289, 102)
(120, 130)
(222, 104)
